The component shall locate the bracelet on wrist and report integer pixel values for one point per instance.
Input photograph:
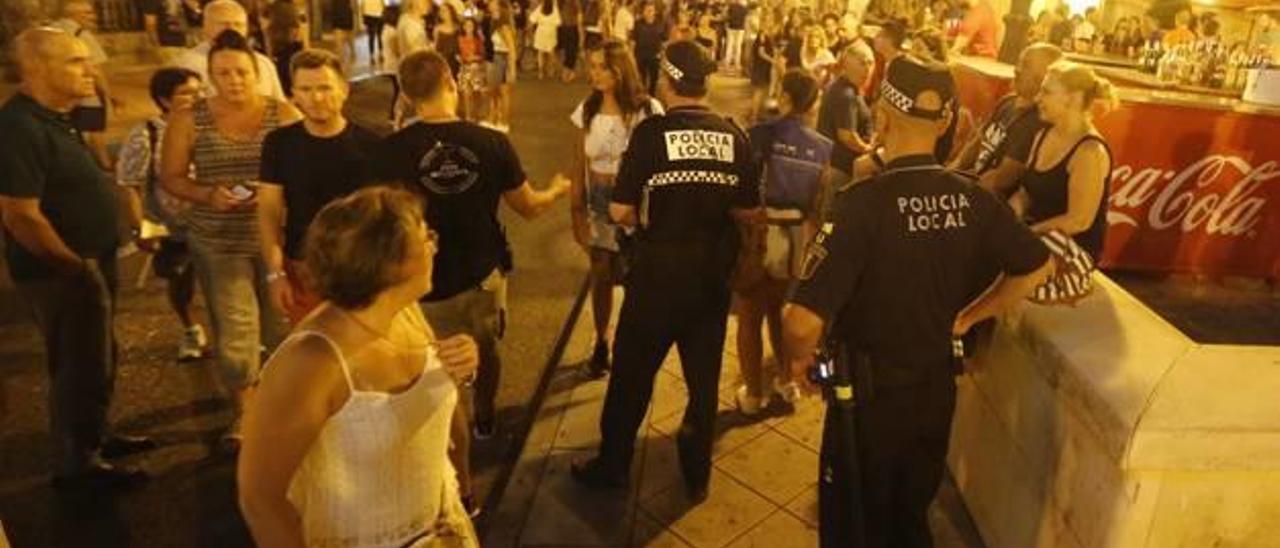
(276, 275)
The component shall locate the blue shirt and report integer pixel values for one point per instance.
(793, 157)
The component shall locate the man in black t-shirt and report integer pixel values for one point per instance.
(998, 152)
(462, 171)
(685, 179)
(305, 166)
(646, 43)
(902, 270)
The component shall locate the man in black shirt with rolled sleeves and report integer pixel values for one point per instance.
(60, 225)
(1000, 149)
(903, 269)
(685, 180)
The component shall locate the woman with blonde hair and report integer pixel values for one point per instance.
(1068, 173)
(815, 56)
(607, 116)
(348, 442)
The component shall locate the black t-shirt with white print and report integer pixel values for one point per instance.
(902, 255)
(461, 170)
(1008, 133)
(684, 171)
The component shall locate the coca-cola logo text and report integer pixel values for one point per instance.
(1192, 199)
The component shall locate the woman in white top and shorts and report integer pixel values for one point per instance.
(502, 70)
(614, 108)
(347, 444)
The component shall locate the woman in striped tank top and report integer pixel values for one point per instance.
(221, 138)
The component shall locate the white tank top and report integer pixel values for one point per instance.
(379, 473)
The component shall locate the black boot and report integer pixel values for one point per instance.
(595, 474)
(599, 365)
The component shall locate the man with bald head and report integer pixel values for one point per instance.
(999, 151)
(59, 216)
(221, 15)
(910, 260)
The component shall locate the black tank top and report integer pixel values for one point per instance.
(1048, 192)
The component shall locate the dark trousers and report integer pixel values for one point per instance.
(649, 73)
(902, 436)
(74, 316)
(373, 31)
(568, 40)
(655, 315)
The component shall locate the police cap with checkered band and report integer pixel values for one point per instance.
(908, 78)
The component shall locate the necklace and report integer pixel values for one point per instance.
(403, 353)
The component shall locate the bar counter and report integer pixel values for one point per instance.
(1193, 186)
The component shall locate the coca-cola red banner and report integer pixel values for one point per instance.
(1192, 189)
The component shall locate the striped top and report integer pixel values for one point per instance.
(220, 160)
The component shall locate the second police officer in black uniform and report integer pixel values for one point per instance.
(685, 180)
(906, 265)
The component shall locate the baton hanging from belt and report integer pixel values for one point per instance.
(841, 515)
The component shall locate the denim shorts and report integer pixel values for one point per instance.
(498, 69)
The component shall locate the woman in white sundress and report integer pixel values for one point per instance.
(347, 443)
(546, 23)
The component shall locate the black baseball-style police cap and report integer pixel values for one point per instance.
(688, 64)
(907, 78)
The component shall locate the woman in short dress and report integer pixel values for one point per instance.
(617, 104)
(546, 25)
(472, 79)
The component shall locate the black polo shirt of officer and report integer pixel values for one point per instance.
(902, 256)
(685, 178)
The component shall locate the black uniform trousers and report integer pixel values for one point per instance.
(667, 302)
(902, 437)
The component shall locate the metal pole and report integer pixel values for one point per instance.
(1017, 24)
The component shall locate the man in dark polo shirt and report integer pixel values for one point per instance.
(910, 260)
(59, 212)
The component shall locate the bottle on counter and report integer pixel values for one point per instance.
(1235, 69)
(1217, 73)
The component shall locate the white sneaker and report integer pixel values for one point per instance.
(750, 405)
(788, 392)
(192, 345)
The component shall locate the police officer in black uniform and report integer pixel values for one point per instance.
(685, 180)
(907, 264)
